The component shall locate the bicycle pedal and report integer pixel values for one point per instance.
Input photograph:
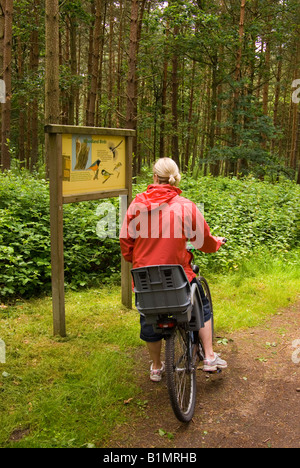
(218, 371)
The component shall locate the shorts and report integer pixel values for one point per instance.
(147, 332)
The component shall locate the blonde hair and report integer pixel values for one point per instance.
(167, 171)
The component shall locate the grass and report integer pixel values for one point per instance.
(67, 392)
(246, 297)
(70, 392)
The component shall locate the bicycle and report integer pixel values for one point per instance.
(174, 308)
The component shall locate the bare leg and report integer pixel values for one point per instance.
(155, 353)
(205, 335)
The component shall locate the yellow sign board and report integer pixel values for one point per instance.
(93, 163)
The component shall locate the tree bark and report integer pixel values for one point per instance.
(52, 63)
(95, 65)
(137, 9)
(6, 107)
(238, 75)
(73, 57)
(132, 63)
(190, 118)
(52, 111)
(2, 28)
(295, 116)
(34, 66)
(175, 87)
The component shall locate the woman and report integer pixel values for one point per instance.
(158, 224)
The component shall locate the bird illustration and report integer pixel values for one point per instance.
(95, 167)
(106, 175)
(116, 169)
(113, 148)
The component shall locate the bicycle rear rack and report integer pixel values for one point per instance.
(163, 291)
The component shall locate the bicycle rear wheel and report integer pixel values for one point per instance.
(181, 373)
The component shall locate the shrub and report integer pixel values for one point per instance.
(25, 251)
(258, 218)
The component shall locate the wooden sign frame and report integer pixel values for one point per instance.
(54, 135)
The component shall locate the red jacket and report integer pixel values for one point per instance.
(157, 226)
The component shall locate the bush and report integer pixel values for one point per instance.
(258, 218)
(25, 251)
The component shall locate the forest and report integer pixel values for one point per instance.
(212, 83)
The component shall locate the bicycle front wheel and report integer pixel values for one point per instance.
(181, 374)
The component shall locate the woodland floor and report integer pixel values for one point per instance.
(253, 404)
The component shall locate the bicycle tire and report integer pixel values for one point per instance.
(181, 374)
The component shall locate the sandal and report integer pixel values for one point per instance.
(156, 374)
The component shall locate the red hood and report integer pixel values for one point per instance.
(157, 195)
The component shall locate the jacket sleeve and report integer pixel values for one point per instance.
(200, 234)
(211, 244)
(126, 241)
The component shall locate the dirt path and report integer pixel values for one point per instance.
(255, 403)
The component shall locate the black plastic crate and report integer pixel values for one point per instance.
(162, 290)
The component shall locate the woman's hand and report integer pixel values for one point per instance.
(223, 240)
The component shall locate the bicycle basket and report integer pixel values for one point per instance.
(162, 290)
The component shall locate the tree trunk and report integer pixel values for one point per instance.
(2, 29)
(34, 66)
(90, 61)
(266, 77)
(111, 60)
(238, 75)
(99, 117)
(132, 84)
(6, 107)
(73, 56)
(277, 93)
(190, 118)
(163, 109)
(95, 66)
(52, 65)
(175, 87)
(295, 117)
(119, 65)
(22, 106)
(214, 166)
(131, 79)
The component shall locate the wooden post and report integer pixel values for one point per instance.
(54, 150)
(125, 202)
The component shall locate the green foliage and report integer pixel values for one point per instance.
(255, 216)
(25, 263)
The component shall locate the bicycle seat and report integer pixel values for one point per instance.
(162, 290)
